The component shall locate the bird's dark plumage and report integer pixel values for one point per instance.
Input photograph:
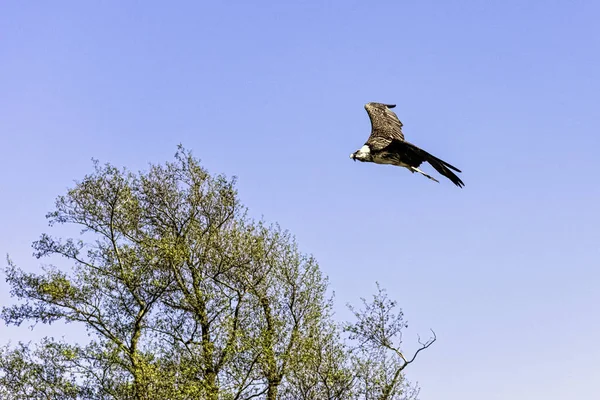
(386, 145)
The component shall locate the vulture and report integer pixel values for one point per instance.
(386, 145)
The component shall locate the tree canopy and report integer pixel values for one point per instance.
(186, 297)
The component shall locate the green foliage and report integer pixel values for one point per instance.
(44, 371)
(185, 297)
(377, 358)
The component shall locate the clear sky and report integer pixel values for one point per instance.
(506, 270)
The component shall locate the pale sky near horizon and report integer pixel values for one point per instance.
(506, 270)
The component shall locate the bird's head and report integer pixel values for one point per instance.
(363, 154)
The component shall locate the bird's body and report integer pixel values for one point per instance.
(386, 145)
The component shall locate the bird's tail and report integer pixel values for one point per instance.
(440, 165)
(444, 168)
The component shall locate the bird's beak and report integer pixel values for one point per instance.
(352, 156)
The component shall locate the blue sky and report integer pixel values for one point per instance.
(506, 270)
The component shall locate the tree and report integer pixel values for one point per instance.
(184, 297)
(41, 372)
(380, 360)
(324, 369)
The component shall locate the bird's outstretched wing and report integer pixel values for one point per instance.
(385, 125)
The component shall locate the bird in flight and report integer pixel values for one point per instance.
(386, 145)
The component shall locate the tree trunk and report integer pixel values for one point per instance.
(212, 391)
(273, 390)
